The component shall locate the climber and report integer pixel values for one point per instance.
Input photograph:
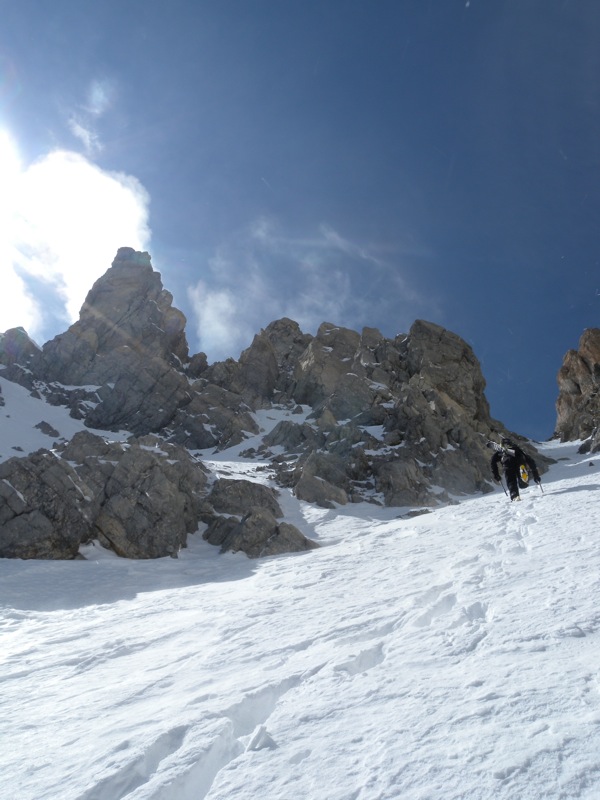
(515, 464)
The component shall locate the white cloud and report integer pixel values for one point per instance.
(219, 328)
(262, 274)
(62, 220)
(100, 96)
(335, 241)
(82, 122)
(86, 135)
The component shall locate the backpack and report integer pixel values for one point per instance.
(523, 477)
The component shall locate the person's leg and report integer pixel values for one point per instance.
(511, 473)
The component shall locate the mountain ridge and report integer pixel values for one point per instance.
(398, 422)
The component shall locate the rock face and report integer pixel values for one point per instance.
(126, 309)
(355, 417)
(139, 498)
(130, 343)
(44, 510)
(578, 404)
(251, 524)
(17, 352)
(390, 418)
(16, 347)
(258, 534)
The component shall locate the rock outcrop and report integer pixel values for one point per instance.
(45, 510)
(258, 534)
(230, 496)
(355, 417)
(16, 347)
(17, 352)
(401, 422)
(126, 309)
(578, 404)
(139, 498)
(129, 343)
(243, 515)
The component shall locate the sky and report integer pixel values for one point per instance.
(360, 163)
(453, 655)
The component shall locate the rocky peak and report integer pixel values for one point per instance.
(578, 404)
(122, 364)
(126, 309)
(447, 363)
(17, 352)
(16, 347)
(329, 373)
(288, 342)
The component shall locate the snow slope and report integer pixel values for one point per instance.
(452, 655)
(20, 416)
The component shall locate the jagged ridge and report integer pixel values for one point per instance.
(401, 421)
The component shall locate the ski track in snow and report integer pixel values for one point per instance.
(452, 655)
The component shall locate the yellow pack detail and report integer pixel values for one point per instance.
(524, 474)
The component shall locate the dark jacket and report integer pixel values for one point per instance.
(511, 457)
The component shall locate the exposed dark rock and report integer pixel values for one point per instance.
(219, 530)
(17, 352)
(46, 428)
(257, 534)
(578, 404)
(294, 436)
(418, 419)
(445, 362)
(213, 417)
(127, 309)
(144, 397)
(148, 493)
(229, 496)
(258, 372)
(288, 343)
(325, 372)
(197, 365)
(150, 507)
(45, 510)
(16, 347)
(129, 342)
(139, 498)
(319, 491)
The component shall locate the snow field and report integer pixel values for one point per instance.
(452, 655)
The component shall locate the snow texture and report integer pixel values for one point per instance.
(450, 655)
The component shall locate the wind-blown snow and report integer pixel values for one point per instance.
(451, 655)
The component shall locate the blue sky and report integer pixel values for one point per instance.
(361, 163)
